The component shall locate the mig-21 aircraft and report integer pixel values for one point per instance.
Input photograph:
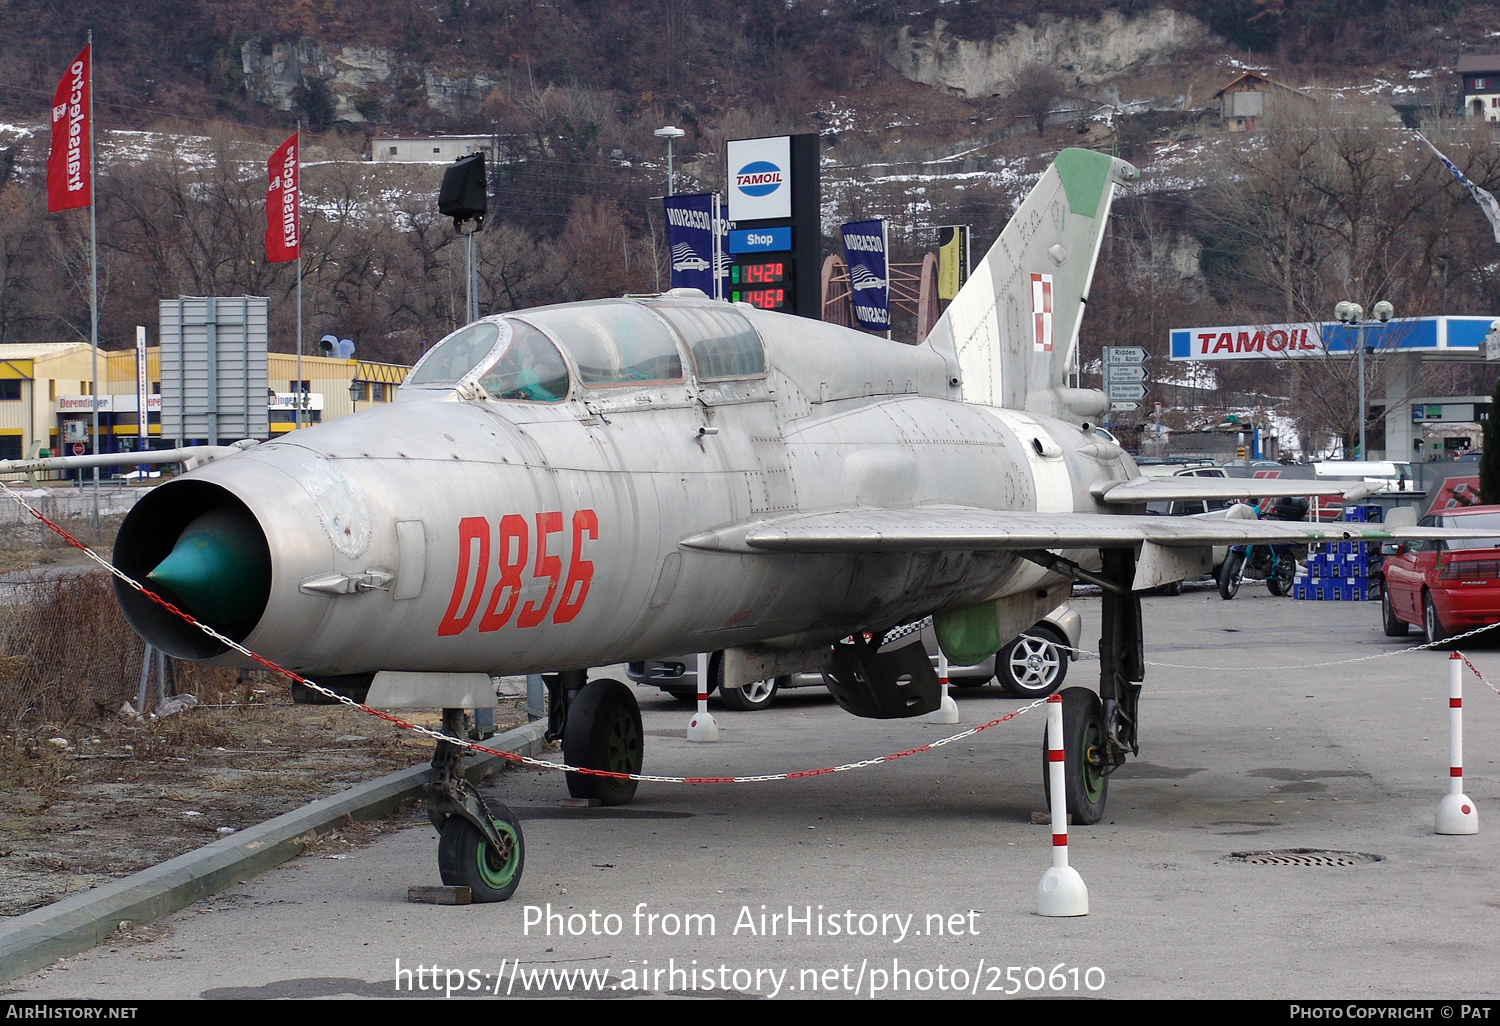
(592, 483)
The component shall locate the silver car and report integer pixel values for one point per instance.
(1029, 666)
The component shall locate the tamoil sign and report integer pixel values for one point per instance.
(1247, 342)
(760, 178)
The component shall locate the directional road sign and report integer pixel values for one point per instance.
(1124, 372)
(1124, 354)
(1122, 407)
(1123, 391)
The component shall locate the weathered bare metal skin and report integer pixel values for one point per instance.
(844, 420)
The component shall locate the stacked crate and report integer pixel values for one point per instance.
(1341, 571)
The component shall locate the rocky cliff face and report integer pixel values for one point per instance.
(354, 76)
(1081, 52)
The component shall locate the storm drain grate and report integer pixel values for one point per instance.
(1304, 857)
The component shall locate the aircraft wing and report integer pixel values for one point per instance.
(939, 528)
(1167, 489)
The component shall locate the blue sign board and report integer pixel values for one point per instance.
(690, 240)
(870, 292)
(760, 240)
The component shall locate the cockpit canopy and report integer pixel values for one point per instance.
(612, 343)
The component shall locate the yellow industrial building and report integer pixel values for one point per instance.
(46, 392)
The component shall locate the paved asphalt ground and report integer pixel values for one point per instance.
(1349, 758)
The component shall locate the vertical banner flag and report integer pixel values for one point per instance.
(69, 163)
(864, 250)
(953, 259)
(690, 240)
(283, 221)
(1484, 198)
(1041, 311)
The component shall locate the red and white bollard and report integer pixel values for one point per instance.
(947, 711)
(1456, 813)
(702, 727)
(1061, 891)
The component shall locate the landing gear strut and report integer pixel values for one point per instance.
(1098, 732)
(481, 847)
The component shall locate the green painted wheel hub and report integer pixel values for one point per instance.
(1093, 772)
(497, 869)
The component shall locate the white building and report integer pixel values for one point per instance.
(1481, 83)
(433, 149)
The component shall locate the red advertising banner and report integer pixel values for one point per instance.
(69, 163)
(283, 200)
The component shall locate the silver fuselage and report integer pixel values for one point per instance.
(465, 533)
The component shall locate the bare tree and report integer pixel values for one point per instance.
(1036, 88)
(1323, 206)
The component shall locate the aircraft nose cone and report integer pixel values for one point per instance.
(219, 567)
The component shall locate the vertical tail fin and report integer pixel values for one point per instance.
(1013, 328)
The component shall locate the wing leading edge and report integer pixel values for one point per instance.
(1167, 489)
(952, 528)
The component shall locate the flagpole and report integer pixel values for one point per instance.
(299, 398)
(94, 277)
(885, 252)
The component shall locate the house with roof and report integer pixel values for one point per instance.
(1480, 75)
(1251, 97)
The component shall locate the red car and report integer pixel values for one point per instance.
(1446, 587)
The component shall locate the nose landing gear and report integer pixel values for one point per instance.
(482, 847)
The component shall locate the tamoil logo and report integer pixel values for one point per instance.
(758, 178)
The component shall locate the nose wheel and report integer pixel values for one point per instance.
(481, 846)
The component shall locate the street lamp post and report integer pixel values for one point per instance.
(1353, 314)
(669, 133)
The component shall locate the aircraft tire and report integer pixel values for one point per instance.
(604, 732)
(1395, 627)
(1086, 787)
(1229, 575)
(465, 858)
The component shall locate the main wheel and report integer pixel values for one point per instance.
(1032, 665)
(1229, 574)
(1280, 582)
(603, 732)
(1086, 788)
(758, 694)
(467, 859)
(1395, 627)
(1432, 627)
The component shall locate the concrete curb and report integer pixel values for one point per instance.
(78, 923)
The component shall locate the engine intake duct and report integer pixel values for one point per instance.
(200, 548)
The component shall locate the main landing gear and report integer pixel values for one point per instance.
(1099, 730)
(599, 724)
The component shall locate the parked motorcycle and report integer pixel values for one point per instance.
(1274, 564)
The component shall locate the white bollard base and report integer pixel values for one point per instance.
(1062, 893)
(1457, 814)
(702, 728)
(945, 713)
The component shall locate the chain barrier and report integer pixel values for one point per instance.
(474, 746)
(1475, 669)
(1081, 655)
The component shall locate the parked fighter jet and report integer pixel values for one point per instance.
(592, 483)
